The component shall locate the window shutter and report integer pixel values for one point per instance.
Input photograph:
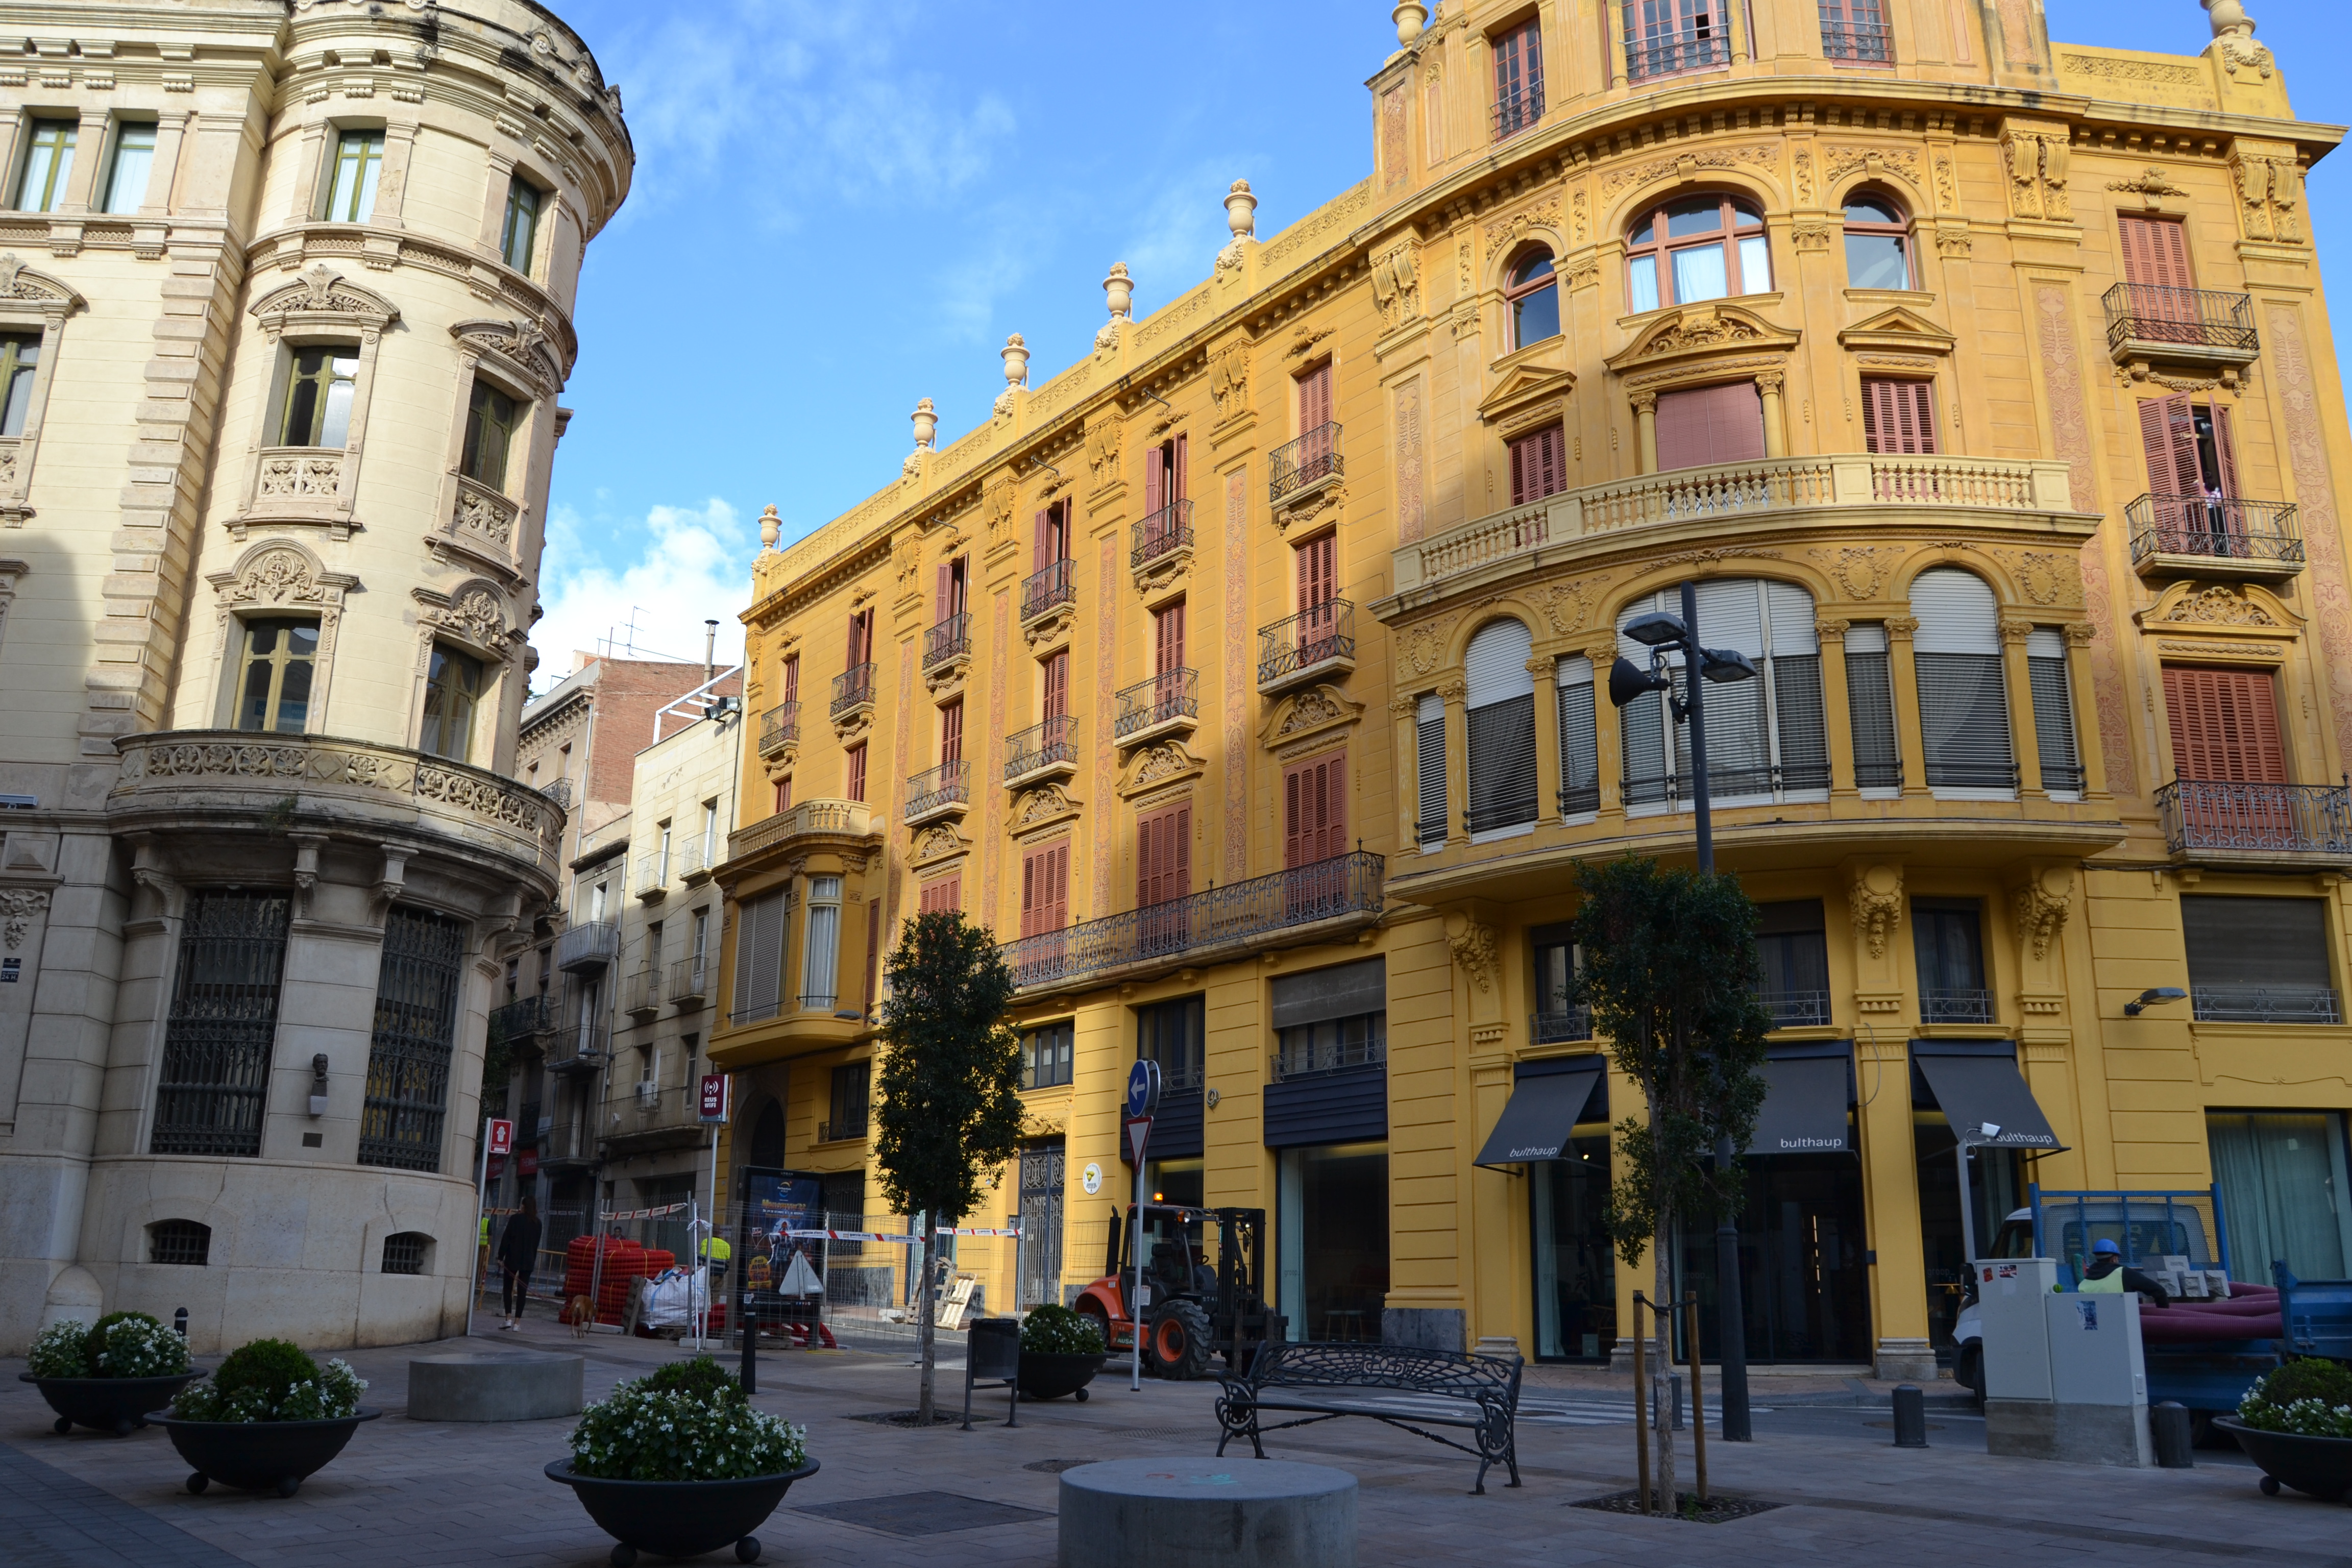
(939, 599)
(1500, 742)
(1038, 557)
(1429, 716)
(1709, 424)
(1176, 477)
(951, 732)
(792, 679)
(1963, 699)
(855, 767)
(2225, 450)
(2054, 710)
(1154, 491)
(1315, 398)
(758, 955)
(1057, 684)
(1580, 743)
(1176, 853)
(2156, 252)
(1537, 467)
(2224, 725)
(1870, 709)
(1029, 893)
(2167, 435)
(1318, 561)
(1168, 641)
(1315, 801)
(1899, 417)
(2265, 942)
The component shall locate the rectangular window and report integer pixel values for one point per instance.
(1171, 1033)
(1163, 855)
(212, 1090)
(821, 946)
(1899, 417)
(274, 676)
(20, 361)
(1538, 465)
(1318, 573)
(2225, 725)
(1947, 942)
(453, 689)
(783, 794)
(702, 951)
(1662, 37)
(2283, 1187)
(1855, 30)
(1046, 1054)
(852, 1089)
(1870, 709)
(1052, 546)
(2155, 258)
(1792, 942)
(1331, 1045)
(1580, 742)
(1315, 398)
(351, 192)
(758, 955)
(1054, 673)
(415, 1032)
(521, 230)
(941, 897)
(952, 732)
(1429, 734)
(1314, 810)
(1167, 638)
(49, 164)
(134, 159)
(1705, 426)
(1518, 79)
(2258, 961)
(2054, 711)
(853, 773)
(1046, 888)
(1500, 749)
(1557, 1017)
(490, 419)
(791, 677)
(320, 382)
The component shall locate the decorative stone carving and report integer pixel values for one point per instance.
(484, 513)
(1396, 286)
(1566, 604)
(1229, 379)
(18, 908)
(1003, 497)
(1683, 166)
(1854, 568)
(2042, 574)
(2037, 163)
(2218, 605)
(1042, 807)
(1103, 440)
(1875, 899)
(1508, 231)
(1812, 236)
(937, 842)
(1312, 712)
(1473, 945)
(1423, 647)
(474, 614)
(1876, 163)
(281, 574)
(520, 346)
(1161, 764)
(2270, 191)
(2150, 181)
(2041, 907)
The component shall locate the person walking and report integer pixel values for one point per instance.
(517, 1250)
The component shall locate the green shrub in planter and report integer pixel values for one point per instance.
(1057, 1331)
(272, 1380)
(690, 1421)
(2308, 1397)
(120, 1344)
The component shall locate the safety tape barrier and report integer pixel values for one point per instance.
(886, 1238)
(646, 1214)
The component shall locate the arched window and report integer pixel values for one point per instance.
(1963, 699)
(1696, 248)
(1501, 699)
(1766, 738)
(1877, 243)
(1533, 294)
(453, 686)
(179, 1241)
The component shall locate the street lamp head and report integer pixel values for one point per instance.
(1629, 681)
(2154, 996)
(1655, 628)
(1723, 665)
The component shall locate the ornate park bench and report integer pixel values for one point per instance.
(1392, 1384)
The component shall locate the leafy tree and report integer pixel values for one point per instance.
(948, 1101)
(1670, 970)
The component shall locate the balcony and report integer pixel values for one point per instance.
(1304, 904)
(1320, 1057)
(1858, 43)
(642, 995)
(694, 863)
(2220, 822)
(1560, 1026)
(1044, 593)
(2194, 536)
(843, 1131)
(654, 1115)
(567, 1143)
(2264, 1004)
(1515, 111)
(1954, 1004)
(581, 1044)
(525, 1017)
(1798, 1009)
(948, 642)
(1670, 53)
(588, 947)
(1042, 750)
(1167, 703)
(1310, 462)
(653, 877)
(2181, 326)
(1161, 535)
(813, 822)
(852, 691)
(780, 729)
(1899, 488)
(944, 790)
(689, 981)
(1311, 645)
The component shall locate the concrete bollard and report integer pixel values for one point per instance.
(1910, 1418)
(2175, 1437)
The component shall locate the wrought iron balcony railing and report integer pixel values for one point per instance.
(567, 1143)
(1560, 1027)
(2223, 527)
(1666, 54)
(1057, 586)
(1171, 694)
(694, 859)
(1864, 43)
(584, 1040)
(1796, 1009)
(652, 874)
(1318, 1056)
(1515, 112)
(1164, 532)
(690, 978)
(643, 993)
(949, 784)
(1575, 800)
(1239, 917)
(841, 1132)
(951, 638)
(1315, 636)
(1955, 1005)
(525, 1015)
(2255, 819)
(1042, 746)
(2264, 1004)
(779, 727)
(592, 944)
(1314, 455)
(852, 687)
(2183, 318)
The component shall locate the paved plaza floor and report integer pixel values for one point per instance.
(429, 1493)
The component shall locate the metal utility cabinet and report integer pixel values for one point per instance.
(2062, 1370)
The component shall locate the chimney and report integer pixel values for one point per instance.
(709, 652)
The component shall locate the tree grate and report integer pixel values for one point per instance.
(1719, 1509)
(922, 1514)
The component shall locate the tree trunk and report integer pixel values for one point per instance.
(924, 1346)
(1662, 1364)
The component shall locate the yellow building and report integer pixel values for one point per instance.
(1983, 386)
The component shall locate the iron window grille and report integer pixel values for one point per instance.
(1796, 1009)
(525, 1015)
(2226, 813)
(223, 1017)
(1560, 1026)
(1333, 1045)
(1856, 31)
(1515, 112)
(403, 1252)
(1043, 745)
(2197, 318)
(1662, 37)
(2264, 1004)
(1955, 1005)
(779, 727)
(2213, 528)
(185, 1242)
(415, 1032)
(946, 785)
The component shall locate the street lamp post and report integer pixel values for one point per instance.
(1661, 632)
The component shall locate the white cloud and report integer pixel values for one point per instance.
(694, 564)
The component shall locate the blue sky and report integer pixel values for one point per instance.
(840, 208)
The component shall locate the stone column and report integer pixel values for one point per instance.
(1546, 671)
(2018, 678)
(1837, 711)
(1608, 737)
(1457, 760)
(164, 173)
(1776, 436)
(1407, 751)
(2084, 691)
(1904, 676)
(1645, 427)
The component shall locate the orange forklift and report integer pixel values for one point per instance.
(1198, 1301)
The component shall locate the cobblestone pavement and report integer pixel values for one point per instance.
(429, 1493)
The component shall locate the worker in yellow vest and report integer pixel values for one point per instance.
(2108, 1275)
(716, 1254)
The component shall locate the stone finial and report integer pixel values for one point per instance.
(1411, 16)
(1118, 291)
(1015, 355)
(927, 424)
(772, 528)
(1241, 211)
(2230, 19)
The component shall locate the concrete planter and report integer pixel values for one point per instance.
(2317, 1467)
(1051, 1374)
(259, 1456)
(679, 1519)
(116, 1405)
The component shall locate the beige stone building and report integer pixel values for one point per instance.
(285, 308)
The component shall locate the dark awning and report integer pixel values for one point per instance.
(1982, 1095)
(1541, 1115)
(1804, 1106)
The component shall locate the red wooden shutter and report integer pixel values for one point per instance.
(2167, 434)
(1176, 484)
(1710, 424)
(2156, 252)
(1057, 684)
(783, 794)
(1315, 811)
(1155, 492)
(2224, 725)
(1038, 558)
(856, 768)
(1029, 891)
(1315, 398)
(951, 732)
(1176, 852)
(1538, 468)
(2225, 450)
(1899, 417)
(792, 679)
(1147, 861)
(1167, 638)
(946, 893)
(1057, 886)
(940, 610)
(1317, 571)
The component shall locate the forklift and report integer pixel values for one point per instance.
(1196, 1304)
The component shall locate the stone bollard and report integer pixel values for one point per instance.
(1910, 1418)
(1207, 1513)
(2175, 1439)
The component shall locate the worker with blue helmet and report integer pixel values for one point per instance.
(2108, 1275)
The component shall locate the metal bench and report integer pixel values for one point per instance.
(1324, 1382)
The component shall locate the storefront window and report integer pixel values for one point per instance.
(1177, 1182)
(1168, 1032)
(1575, 1263)
(1996, 1189)
(1804, 1286)
(2283, 1192)
(1332, 1230)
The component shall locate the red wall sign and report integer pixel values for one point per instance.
(501, 1137)
(715, 1096)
